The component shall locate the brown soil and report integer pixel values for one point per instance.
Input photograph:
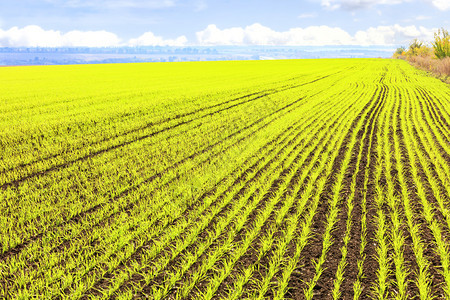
(313, 249)
(251, 256)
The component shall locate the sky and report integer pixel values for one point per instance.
(105, 23)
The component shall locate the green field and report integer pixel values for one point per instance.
(226, 180)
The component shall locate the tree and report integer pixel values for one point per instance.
(400, 50)
(441, 44)
(414, 47)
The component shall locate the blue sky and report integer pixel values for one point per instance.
(215, 22)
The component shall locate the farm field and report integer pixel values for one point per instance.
(306, 179)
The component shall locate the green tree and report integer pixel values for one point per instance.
(400, 50)
(441, 43)
(414, 47)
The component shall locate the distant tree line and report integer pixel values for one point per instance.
(440, 47)
(433, 57)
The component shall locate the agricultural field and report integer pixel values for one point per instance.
(307, 179)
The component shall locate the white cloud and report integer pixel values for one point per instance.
(35, 36)
(394, 34)
(258, 34)
(215, 36)
(307, 16)
(328, 4)
(416, 18)
(422, 18)
(361, 4)
(200, 5)
(114, 4)
(357, 4)
(149, 39)
(441, 4)
(90, 38)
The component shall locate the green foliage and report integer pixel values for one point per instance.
(400, 50)
(435, 59)
(418, 48)
(415, 47)
(441, 43)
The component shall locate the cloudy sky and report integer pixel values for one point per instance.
(219, 22)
